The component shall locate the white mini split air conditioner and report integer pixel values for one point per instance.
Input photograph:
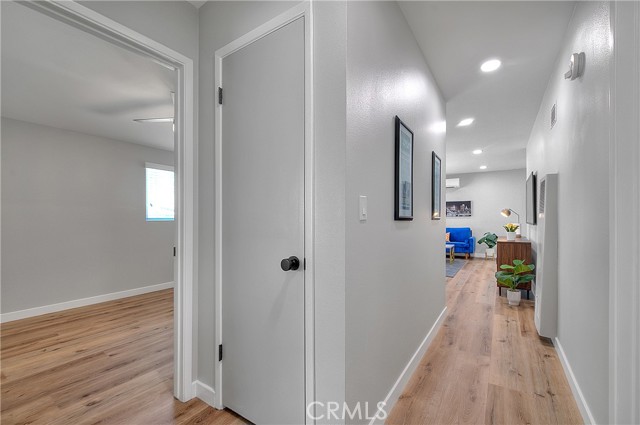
(453, 183)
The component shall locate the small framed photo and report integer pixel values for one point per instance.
(404, 172)
(459, 209)
(436, 187)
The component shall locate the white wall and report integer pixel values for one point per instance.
(577, 148)
(395, 269)
(73, 222)
(221, 23)
(624, 211)
(489, 193)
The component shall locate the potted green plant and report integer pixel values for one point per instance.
(490, 240)
(512, 276)
(511, 230)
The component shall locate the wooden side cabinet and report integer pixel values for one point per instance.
(507, 251)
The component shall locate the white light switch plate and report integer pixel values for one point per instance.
(362, 208)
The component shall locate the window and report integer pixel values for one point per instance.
(160, 192)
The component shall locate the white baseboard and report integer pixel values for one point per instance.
(396, 391)
(53, 308)
(587, 417)
(204, 393)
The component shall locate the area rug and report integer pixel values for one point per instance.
(453, 268)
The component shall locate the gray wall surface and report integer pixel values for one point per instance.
(577, 149)
(395, 269)
(220, 24)
(489, 193)
(73, 219)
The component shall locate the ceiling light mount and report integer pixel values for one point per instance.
(490, 65)
(576, 66)
(154, 120)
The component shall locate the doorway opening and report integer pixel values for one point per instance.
(175, 147)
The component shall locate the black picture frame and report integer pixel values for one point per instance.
(436, 187)
(403, 199)
(459, 209)
(531, 190)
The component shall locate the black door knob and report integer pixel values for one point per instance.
(291, 263)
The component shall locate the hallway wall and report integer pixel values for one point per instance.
(395, 269)
(577, 149)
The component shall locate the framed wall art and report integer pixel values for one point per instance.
(458, 209)
(436, 187)
(404, 172)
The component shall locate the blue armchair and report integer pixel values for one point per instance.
(461, 238)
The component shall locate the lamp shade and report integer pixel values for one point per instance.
(506, 212)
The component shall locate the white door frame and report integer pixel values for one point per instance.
(90, 21)
(303, 10)
(624, 216)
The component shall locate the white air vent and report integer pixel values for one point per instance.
(543, 196)
(452, 183)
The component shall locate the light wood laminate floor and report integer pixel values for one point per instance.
(487, 364)
(110, 363)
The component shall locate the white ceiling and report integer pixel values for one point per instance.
(57, 75)
(456, 38)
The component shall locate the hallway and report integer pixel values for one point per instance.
(487, 363)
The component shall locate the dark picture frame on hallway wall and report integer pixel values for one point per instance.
(436, 186)
(531, 215)
(403, 203)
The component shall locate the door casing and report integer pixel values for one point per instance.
(72, 13)
(305, 11)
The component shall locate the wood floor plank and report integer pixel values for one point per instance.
(487, 364)
(109, 363)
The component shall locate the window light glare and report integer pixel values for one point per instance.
(465, 122)
(483, 167)
(477, 151)
(490, 65)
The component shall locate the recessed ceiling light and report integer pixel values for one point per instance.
(483, 167)
(477, 151)
(490, 65)
(465, 122)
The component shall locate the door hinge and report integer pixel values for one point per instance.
(220, 95)
(174, 251)
(220, 352)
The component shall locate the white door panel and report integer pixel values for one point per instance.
(262, 223)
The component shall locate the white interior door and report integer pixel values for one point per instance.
(262, 142)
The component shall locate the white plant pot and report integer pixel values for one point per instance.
(489, 252)
(513, 297)
(511, 236)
